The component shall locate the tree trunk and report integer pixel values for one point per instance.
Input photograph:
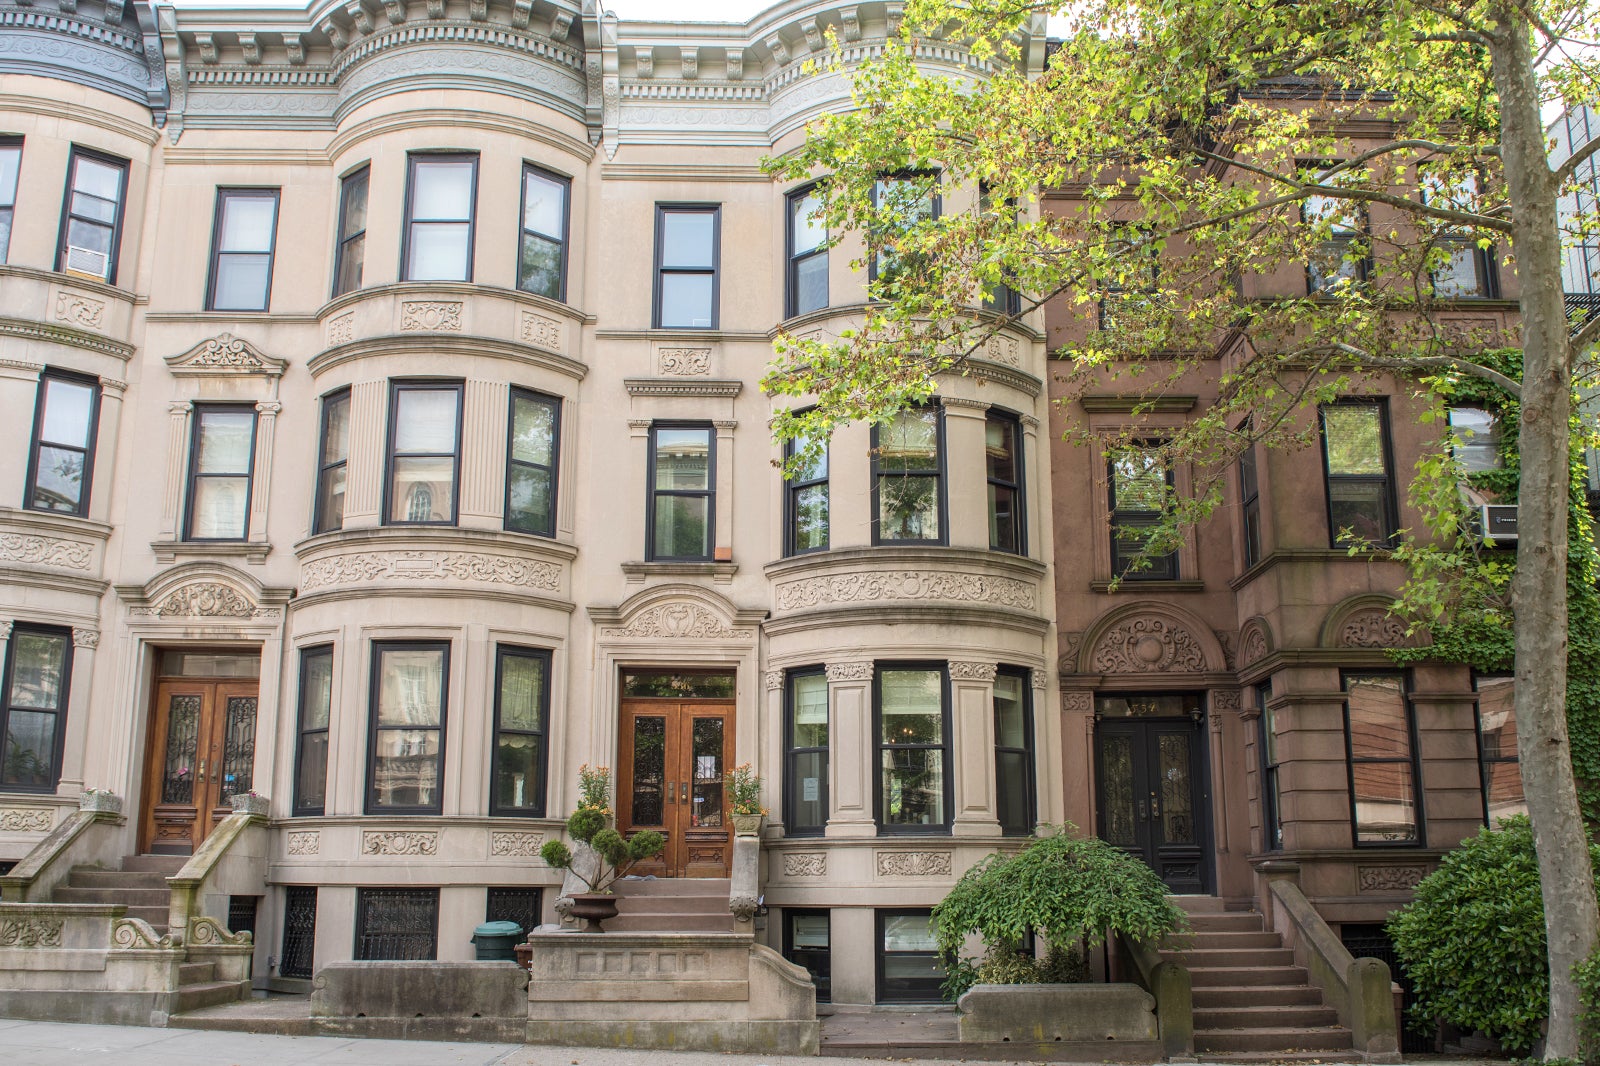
(1539, 589)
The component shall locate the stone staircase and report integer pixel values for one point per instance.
(672, 905)
(141, 886)
(1251, 1002)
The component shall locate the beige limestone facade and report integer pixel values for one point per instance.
(381, 395)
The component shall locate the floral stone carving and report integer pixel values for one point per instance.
(676, 620)
(205, 599)
(25, 820)
(541, 332)
(30, 932)
(1372, 628)
(430, 566)
(1252, 645)
(225, 354)
(1147, 646)
(914, 863)
(81, 311)
(516, 845)
(684, 362)
(852, 671)
(306, 843)
(399, 843)
(1389, 878)
(906, 585)
(433, 316)
(44, 551)
(805, 864)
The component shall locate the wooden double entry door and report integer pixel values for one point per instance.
(673, 760)
(1151, 796)
(202, 749)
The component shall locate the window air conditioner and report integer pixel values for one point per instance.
(1498, 521)
(87, 263)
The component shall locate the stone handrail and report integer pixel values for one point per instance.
(231, 862)
(1170, 984)
(83, 837)
(744, 883)
(1360, 990)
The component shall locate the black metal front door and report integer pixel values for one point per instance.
(1150, 797)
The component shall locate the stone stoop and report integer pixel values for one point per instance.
(672, 905)
(1251, 1002)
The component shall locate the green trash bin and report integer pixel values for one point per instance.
(497, 941)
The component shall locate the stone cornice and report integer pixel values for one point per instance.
(682, 387)
(107, 45)
(76, 338)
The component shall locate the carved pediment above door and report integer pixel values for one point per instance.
(228, 356)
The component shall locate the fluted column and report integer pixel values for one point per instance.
(261, 479)
(80, 685)
(177, 462)
(972, 723)
(852, 753)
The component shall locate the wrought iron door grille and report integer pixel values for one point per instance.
(397, 924)
(242, 913)
(520, 905)
(1371, 941)
(299, 931)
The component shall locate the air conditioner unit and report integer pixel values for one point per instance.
(87, 263)
(1498, 521)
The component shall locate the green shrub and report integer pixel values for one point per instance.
(1064, 888)
(1472, 939)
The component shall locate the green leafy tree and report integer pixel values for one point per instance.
(1373, 140)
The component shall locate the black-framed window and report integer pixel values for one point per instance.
(1381, 745)
(807, 941)
(514, 903)
(441, 202)
(333, 458)
(1016, 796)
(542, 253)
(297, 955)
(683, 479)
(1271, 819)
(1140, 484)
(521, 728)
(806, 502)
(10, 168)
(909, 970)
(1475, 438)
(805, 767)
(1002, 299)
(806, 274)
(1467, 271)
(908, 495)
(532, 446)
(911, 708)
(92, 216)
(1133, 287)
(1250, 503)
(66, 420)
(688, 256)
(311, 748)
(1002, 449)
(244, 232)
(397, 924)
(1497, 748)
(1342, 257)
(405, 742)
(33, 716)
(424, 453)
(1355, 456)
(221, 467)
(908, 199)
(351, 253)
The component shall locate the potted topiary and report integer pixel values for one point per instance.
(744, 795)
(590, 826)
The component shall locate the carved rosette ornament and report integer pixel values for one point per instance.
(1147, 646)
(962, 671)
(914, 863)
(851, 671)
(672, 620)
(430, 316)
(205, 599)
(1372, 628)
(399, 843)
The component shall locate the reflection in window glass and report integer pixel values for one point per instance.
(407, 727)
(1002, 457)
(34, 708)
(808, 254)
(908, 958)
(352, 232)
(95, 189)
(219, 474)
(316, 706)
(1355, 450)
(908, 468)
(806, 941)
(913, 754)
(424, 437)
(63, 444)
(682, 492)
(531, 463)
(806, 782)
(1141, 482)
(10, 166)
(806, 499)
(1474, 439)
(1497, 748)
(1013, 751)
(541, 263)
(686, 267)
(1383, 791)
(241, 264)
(439, 230)
(335, 456)
(520, 727)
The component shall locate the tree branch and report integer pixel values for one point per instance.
(1585, 336)
(1413, 363)
(1581, 154)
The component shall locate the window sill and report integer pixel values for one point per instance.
(250, 551)
(1133, 584)
(721, 573)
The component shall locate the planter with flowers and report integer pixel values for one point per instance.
(249, 802)
(613, 856)
(744, 795)
(101, 800)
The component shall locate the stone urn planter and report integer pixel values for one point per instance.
(593, 908)
(246, 803)
(748, 825)
(105, 802)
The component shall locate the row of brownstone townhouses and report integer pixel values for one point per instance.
(383, 442)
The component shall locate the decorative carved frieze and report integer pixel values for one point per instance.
(45, 551)
(805, 864)
(1077, 702)
(30, 932)
(913, 863)
(1147, 645)
(383, 842)
(684, 362)
(305, 843)
(225, 354)
(1389, 878)
(515, 845)
(1252, 645)
(774, 680)
(26, 819)
(1003, 350)
(430, 316)
(82, 311)
(135, 934)
(341, 330)
(674, 620)
(541, 331)
(85, 638)
(1372, 628)
(1225, 699)
(906, 585)
(424, 566)
(202, 599)
(963, 671)
(851, 671)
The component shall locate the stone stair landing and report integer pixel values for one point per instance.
(1251, 1002)
(672, 905)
